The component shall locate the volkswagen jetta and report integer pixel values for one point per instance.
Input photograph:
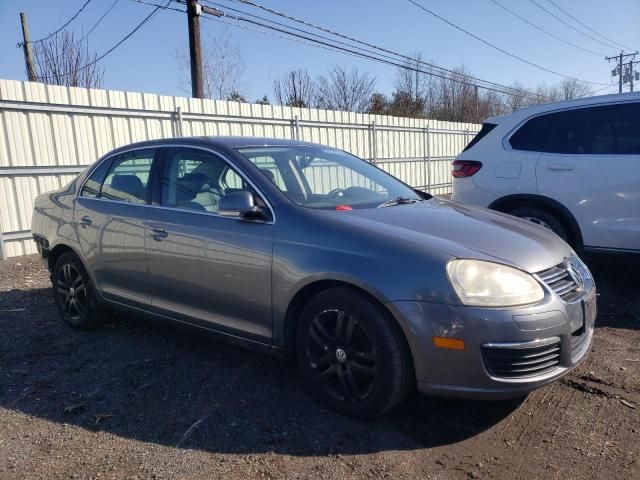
(307, 251)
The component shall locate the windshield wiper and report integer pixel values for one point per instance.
(399, 201)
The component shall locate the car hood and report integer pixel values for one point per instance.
(464, 232)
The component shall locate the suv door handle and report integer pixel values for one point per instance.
(85, 221)
(560, 168)
(158, 234)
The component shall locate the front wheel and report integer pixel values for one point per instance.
(544, 219)
(73, 293)
(351, 354)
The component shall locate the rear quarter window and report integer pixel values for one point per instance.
(484, 131)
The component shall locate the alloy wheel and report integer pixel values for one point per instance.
(72, 291)
(341, 356)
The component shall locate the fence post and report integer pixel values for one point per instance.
(295, 124)
(178, 119)
(374, 143)
(427, 149)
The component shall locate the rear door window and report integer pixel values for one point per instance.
(128, 177)
(558, 132)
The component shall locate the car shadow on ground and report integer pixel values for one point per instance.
(618, 282)
(153, 383)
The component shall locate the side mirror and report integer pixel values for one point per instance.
(240, 204)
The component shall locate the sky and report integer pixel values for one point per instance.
(147, 62)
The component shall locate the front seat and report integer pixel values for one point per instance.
(186, 191)
(204, 195)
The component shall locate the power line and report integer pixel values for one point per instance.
(441, 70)
(572, 27)
(586, 26)
(372, 57)
(551, 34)
(502, 50)
(116, 45)
(98, 22)
(395, 54)
(63, 26)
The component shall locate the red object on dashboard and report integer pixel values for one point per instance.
(344, 207)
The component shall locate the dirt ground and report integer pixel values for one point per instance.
(140, 400)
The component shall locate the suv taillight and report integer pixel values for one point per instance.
(465, 168)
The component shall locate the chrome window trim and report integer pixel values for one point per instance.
(224, 157)
(506, 144)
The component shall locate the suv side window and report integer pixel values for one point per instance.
(128, 177)
(558, 132)
(615, 129)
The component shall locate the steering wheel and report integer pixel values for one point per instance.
(336, 193)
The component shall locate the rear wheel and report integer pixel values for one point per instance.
(74, 294)
(544, 219)
(351, 354)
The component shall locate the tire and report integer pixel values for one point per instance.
(74, 294)
(352, 355)
(543, 218)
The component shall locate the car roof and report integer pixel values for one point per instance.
(223, 141)
(566, 104)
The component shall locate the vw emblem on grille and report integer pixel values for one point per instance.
(576, 276)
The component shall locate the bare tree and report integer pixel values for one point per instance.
(63, 60)
(518, 97)
(222, 67)
(571, 88)
(345, 90)
(416, 81)
(295, 89)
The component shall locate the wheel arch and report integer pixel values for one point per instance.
(57, 251)
(304, 294)
(510, 202)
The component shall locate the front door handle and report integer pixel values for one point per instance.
(85, 221)
(158, 234)
(560, 168)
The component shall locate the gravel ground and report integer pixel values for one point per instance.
(140, 400)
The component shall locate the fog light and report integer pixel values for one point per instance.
(450, 343)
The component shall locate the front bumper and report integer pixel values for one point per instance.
(557, 333)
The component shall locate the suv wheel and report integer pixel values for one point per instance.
(351, 354)
(74, 294)
(543, 218)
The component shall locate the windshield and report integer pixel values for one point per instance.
(318, 177)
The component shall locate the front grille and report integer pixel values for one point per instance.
(513, 360)
(561, 282)
(579, 342)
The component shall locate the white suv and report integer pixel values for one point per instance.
(573, 167)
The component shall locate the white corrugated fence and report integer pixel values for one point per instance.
(48, 134)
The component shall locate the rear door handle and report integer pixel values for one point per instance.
(560, 168)
(85, 221)
(158, 234)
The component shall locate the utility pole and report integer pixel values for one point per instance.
(632, 75)
(195, 50)
(477, 103)
(26, 46)
(619, 69)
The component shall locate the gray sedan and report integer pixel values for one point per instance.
(309, 252)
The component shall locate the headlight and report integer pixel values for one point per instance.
(487, 284)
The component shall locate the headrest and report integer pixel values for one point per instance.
(129, 184)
